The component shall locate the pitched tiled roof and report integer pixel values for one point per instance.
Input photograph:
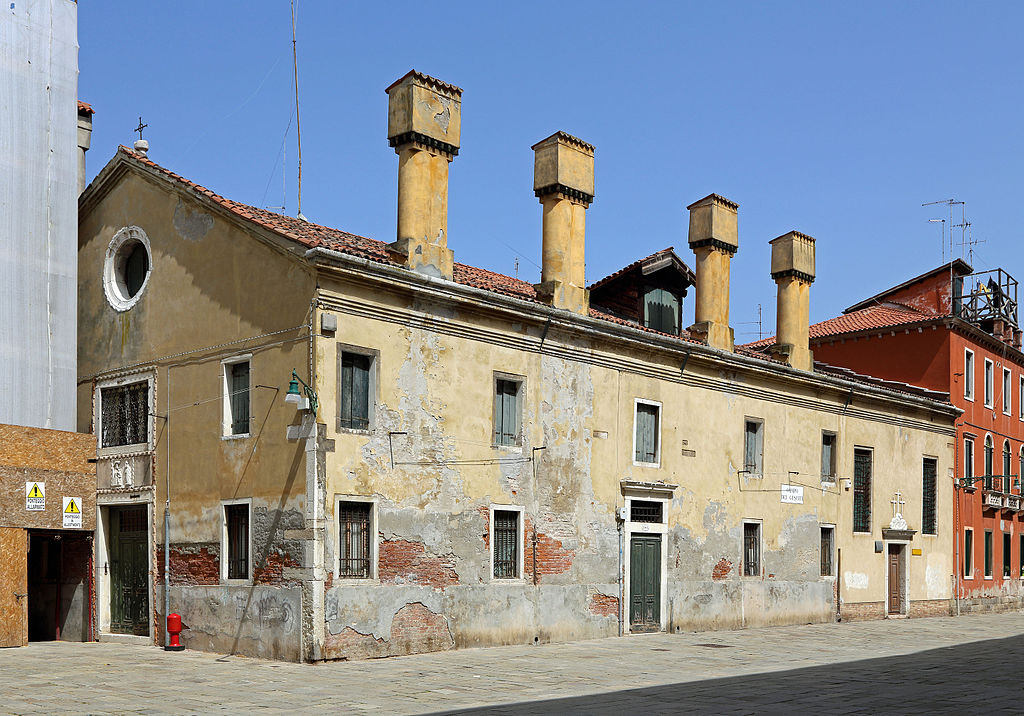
(882, 315)
(85, 108)
(639, 262)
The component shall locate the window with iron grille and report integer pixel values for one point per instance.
(828, 541)
(236, 519)
(507, 409)
(828, 457)
(968, 553)
(124, 418)
(753, 447)
(928, 486)
(861, 490)
(751, 549)
(988, 553)
(645, 511)
(354, 537)
(506, 544)
(1007, 542)
(355, 391)
(989, 455)
(236, 381)
(648, 418)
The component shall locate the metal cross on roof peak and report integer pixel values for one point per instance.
(140, 127)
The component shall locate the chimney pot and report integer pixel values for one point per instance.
(424, 124)
(714, 238)
(793, 271)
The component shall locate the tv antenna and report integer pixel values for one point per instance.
(298, 130)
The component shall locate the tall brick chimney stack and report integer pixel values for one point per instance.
(424, 123)
(793, 273)
(714, 240)
(563, 180)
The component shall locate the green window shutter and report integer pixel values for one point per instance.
(661, 311)
(646, 433)
(355, 391)
(506, 412)
(239, 399)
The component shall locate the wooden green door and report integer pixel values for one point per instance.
(645, 583)
(129, 571)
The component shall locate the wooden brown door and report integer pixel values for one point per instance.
(13, 586)
(895, 605)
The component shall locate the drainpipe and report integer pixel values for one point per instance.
(621, 575)
(167, 516)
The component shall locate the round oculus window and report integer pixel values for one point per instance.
(127, 267)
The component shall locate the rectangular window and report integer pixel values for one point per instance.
(1007, 392)
(1007, 542)
(969, 461)
(236, 529)
(968, 553)
(968, 374)
(355, 391)
(506, 544)
(751, 549)
(507, 411)
(753, 446)
(861, 490)
(928, 487)
(236, 397)
(662, 310)
(988, 553)
(828, 542)
(989, 382)
(828, 457)
(124, 417)
(647, 438)
(355, 535)
(1020, 398)
(645, 511)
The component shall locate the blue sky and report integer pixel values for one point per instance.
(838, 120)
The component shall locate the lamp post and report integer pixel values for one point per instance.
(294, 395)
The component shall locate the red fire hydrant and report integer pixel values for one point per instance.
(174, 628)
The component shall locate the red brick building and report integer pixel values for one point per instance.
(955, 330)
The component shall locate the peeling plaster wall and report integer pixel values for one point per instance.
(435, 366)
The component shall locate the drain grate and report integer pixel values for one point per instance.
(716, 646)
(660, 649)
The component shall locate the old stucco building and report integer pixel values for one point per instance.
(463, 458)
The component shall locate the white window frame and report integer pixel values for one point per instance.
(972, 462)
(988, 535)
(373, 381)
(657, 443)
(828, 479)
(520, 380)
(968, 574)
(759, 472)
(968, 374)
(760, 549)
(990, 388)
(832, 559)
(98, 414)
(374, 534)
(226, 417)
(1020, 398)
(1007, 391)
(520, 542)
(630, 528)
(224, 542)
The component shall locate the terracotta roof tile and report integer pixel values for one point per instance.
(887, 315)
(626, 269)
(85, 108)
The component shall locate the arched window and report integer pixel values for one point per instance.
(1006, 466)
(988, 462)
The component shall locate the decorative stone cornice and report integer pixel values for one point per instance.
(439, 85)
(568, 139)
(806, 277)
(449, 150)
(715, 244)
(566, 192)
(716, 199)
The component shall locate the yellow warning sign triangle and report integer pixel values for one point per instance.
(35, 491)
(72, 507)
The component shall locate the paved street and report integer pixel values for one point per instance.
(903, 666)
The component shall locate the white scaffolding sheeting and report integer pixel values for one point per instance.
(38, 212)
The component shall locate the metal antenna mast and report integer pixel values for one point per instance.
(298, 130)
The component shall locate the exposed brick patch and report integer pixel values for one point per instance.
(191, 564)
(270, 570)
(485, 512)
(861, 611)
(932, 608)
(329, 581)
(405, 562)
(604, 605)
(552, 557)
(414, 630)
(721, 570)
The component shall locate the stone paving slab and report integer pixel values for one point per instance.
(891, 666)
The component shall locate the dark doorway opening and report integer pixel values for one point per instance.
(59, 594)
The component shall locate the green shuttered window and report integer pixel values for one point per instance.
(661, 311)
(928, 522)
(647, 417)
(238, 396)
(861, 490)
(355, 391)
(506, 412)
